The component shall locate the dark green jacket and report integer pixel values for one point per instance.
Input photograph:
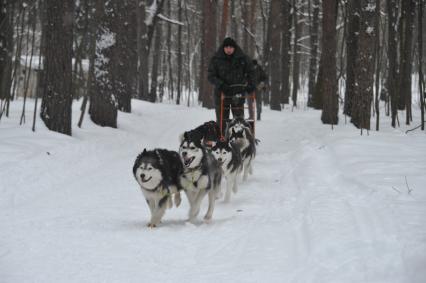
(234, 71)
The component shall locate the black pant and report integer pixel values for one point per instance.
(235, 104)
(259, 97)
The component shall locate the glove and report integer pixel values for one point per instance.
(260, 86)
(237, 89)
(238, 99)
(250, 88)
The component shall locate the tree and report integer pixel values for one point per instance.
(274, 17)
(208, 47)
(354, 12)
(179, 54)
(406, 41)
(421, 77)
(285, 49)
(392, 79)
(225, 19)
(103, 101)
(6, 49)
(142, 47)
(328, 87)
(296, 55)
(364, 67)
(57, 90)
(155, 64)
(313, 60)
(125, 52)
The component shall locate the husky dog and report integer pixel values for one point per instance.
(238, 124)
(201, 175)
(157, 172)
(229, 157)
(239, 132)
(206, 133)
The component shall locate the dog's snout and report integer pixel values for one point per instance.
(219, 159)
(142, 176)
(184, 153)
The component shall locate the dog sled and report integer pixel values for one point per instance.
(250, 106)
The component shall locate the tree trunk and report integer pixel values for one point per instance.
(6, 49)
(169, 53)
(252, 26)
(285, 49)
(155, 64)
(179, 54)
(245, 11)
(142, 43)
(225, 19)
(421, 77)
(296, 55)
(407, 30)
(313, 60)
(57, 97)
(354, 11)
(364, 67)
(328, 90)
(234, 26)
(274, 17)
(125, 49)
(103, 102)
(208, 48)
(377, 60)
(392, 9)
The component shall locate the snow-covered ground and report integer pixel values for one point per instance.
(322, 206)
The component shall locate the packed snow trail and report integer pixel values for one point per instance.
(322, 206)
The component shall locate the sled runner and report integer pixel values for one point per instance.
(251, 106)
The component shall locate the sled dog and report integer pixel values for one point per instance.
(158, 173)
(201, 176)
(229, 157)
(239, 132)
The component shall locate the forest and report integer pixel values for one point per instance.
(112, 170)
(364, 58)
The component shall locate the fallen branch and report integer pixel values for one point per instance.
(413, 129)
(408, 187)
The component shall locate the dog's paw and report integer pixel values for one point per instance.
(150, 225)
(208, 219)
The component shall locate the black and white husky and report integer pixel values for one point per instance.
(239, 132)
(229, 157)
(157, 172)
(237, 124)
(201, 176)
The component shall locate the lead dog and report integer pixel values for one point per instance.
(157, 172)
(201, 175)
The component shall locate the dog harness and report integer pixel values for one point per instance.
(193, 181)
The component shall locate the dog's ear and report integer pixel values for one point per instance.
(181, 137)
(144, 151)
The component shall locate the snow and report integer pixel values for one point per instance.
(152, 11)
(36, 60)
(105, 40)
(322, 206)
